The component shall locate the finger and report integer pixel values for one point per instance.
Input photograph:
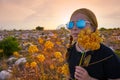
(79, 72)
(80, 69)
(78, 76)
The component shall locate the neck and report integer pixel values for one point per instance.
(79, 48)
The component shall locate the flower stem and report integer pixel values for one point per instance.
(81, 59)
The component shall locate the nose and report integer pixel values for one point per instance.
(74, 27)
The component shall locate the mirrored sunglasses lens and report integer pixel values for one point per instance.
(70, 25)
(81, 24)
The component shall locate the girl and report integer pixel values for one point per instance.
(103, 65)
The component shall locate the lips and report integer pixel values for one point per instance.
(75, 34)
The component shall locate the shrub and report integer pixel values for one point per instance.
(9, 45)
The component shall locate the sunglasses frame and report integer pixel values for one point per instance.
(81, 23)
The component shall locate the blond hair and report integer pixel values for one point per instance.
(90, 15)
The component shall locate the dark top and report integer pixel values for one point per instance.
(104, 64)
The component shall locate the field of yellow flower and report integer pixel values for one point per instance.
(44, 61)
(43, 56)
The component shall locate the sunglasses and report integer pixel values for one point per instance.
(79, 24)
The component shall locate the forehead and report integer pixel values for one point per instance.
(78, 16)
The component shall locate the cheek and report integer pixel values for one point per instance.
(71, 33)
(87, 26)
(92, 29)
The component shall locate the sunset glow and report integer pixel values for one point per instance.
(27, 14)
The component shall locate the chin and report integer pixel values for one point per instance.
(75, 38)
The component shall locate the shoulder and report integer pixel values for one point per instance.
(105, 51)
(104, 54)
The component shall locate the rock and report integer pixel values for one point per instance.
(21, 60)
(11, 61)
(4, 75)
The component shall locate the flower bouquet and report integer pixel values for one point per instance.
(90, 41)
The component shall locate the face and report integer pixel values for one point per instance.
(75, 30)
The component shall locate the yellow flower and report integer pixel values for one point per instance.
(1, 50)
(67, 45)
(59, 70)
(32, 49)
(33, 64)
(27, 65)
(16, 54)
(40, 40)
(95, 46)
(55, 36)
(65, 69)
(61, 59)
(49, 45)
(89, 40)
(58, 43)
(57, 54)
(62, 40)
(41, 57)
(52, 66)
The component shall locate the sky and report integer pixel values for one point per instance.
(28, 14)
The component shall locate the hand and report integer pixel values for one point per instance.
(81, 74)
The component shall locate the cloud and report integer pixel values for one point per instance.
(10, 12)
(55, 12)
